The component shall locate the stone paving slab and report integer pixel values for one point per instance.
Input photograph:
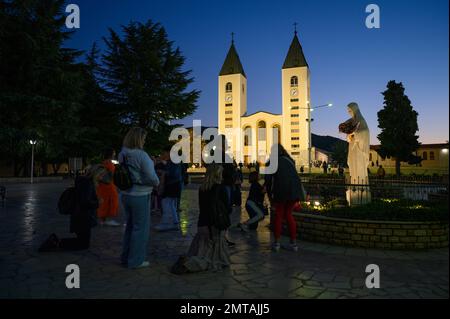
(316, 271)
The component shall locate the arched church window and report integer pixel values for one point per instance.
(247, 136)
(424, 155)
(261, 131)
(278, 130)
(294, 81)
(431, 156)
(228, 87)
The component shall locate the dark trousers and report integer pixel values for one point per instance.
(80, 242)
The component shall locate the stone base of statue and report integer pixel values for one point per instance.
(358, 195)
(357, 192)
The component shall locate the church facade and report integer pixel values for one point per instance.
(250, 136)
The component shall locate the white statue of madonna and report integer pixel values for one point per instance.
(358, 156)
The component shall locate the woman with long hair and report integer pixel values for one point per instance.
(209, 249)
(136, 200)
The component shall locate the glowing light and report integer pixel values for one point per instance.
(316, 203)
(330, 104)
(389, 200)
(445, 150)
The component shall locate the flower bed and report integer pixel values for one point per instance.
(390, 225)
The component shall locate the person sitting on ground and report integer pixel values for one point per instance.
(254, 204)
(209, 249)
(83, 218)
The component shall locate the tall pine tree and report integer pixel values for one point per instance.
(398, 123)
(40, 82)
(144, 76)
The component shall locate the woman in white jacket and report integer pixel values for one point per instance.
(136, 200)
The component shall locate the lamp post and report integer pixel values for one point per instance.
(32, 142)
(309, 120)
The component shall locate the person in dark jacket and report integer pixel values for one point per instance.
(208, 250)
(237, 193)
(171, 193)
(228, 175)
(254, 204)
(83, 217)
(286, 190)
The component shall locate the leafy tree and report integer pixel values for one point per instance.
(143, 75)
(40, 82)
(340, 153)
(398, 123)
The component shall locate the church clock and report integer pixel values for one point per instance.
(294, 92)
(228, 98)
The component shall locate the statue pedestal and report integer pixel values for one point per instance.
(358, 195)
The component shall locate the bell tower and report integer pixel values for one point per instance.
(296, 103)
(232, 96)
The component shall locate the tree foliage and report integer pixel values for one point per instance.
(74, 103)
(398, 123)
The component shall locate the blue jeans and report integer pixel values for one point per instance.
(169, 217)
(137, 231)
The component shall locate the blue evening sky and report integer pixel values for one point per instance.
(348, 62)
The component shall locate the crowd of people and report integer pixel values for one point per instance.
(156, 185)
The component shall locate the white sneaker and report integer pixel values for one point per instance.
(112, 223)
(293, 247)
(276, 247)
(143, 265)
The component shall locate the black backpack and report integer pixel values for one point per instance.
(122, 176)
(220, 218)
(67, 203)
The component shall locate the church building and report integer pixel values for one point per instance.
(251, 136)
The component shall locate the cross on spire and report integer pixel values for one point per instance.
(232, 37)
(295, 28)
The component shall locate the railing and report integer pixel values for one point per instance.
(409, 188)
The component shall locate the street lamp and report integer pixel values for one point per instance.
(309, 120)
(33, 143)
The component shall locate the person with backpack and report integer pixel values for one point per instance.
(255, 203)
(81, 203)
(171, 193)
(136, 199)
(209, 249)
(107, 193)
(286, 191)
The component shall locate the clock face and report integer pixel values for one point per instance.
(228, 98)
(294, 92)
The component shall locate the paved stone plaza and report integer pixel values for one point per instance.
(316, 271)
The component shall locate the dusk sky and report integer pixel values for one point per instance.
(348, 62)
